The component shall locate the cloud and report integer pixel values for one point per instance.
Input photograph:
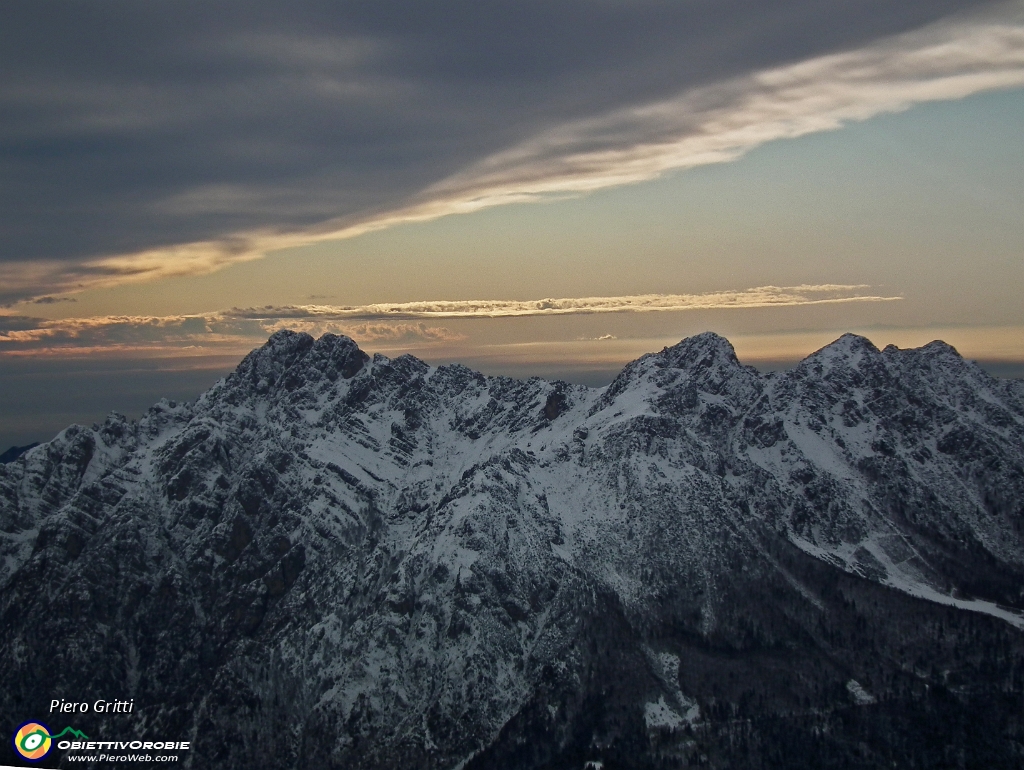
(720, 122)
(15, 323)
(234, 130)
(193, 334)
(30, 279)
(386, 325)
(761, 296)
(380, 334)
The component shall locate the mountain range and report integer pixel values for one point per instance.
(336, 560)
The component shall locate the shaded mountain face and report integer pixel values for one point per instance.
(13, 453)
(330, 560)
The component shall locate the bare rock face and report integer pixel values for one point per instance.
(330, 560)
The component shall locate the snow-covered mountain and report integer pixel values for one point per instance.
(332, 560)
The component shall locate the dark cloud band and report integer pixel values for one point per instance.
(148, 139)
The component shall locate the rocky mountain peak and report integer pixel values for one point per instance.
(703, 351)
(850, 351)
(379, 563)
(705, 363)
(290, 360)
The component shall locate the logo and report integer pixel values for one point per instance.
(33, 741)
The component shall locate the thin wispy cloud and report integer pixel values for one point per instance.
(221, 332)
(759, 297)
(382, 334)
(384, 325)
(385, 127)
(721, 122)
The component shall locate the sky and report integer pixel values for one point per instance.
(530, 188)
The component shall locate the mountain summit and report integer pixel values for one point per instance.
(333, 560)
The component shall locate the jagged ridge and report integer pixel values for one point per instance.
(378, 563)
